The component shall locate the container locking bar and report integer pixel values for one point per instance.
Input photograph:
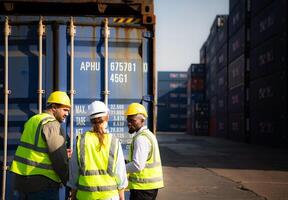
(41, 32)
(106, 36)
(7, 32)
(72, 32)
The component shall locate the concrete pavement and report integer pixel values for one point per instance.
(206, 168)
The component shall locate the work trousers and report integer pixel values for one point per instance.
(48, 194)
(143, 194)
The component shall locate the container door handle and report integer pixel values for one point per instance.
(7, 32)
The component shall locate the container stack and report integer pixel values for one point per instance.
(238, 70)
(172, 101)
(268, 78)
(221, 76)
(216, 76)
(197, 108)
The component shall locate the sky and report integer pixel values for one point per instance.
(181, 29)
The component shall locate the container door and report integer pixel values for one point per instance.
(23, 79)
(127, 73)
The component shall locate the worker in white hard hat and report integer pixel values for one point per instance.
(97, 167)
(40, 164)
(144, 162)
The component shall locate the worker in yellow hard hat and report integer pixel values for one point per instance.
(40, 163)
(144, 162)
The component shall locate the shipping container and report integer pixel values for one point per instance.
(258, 5)
(92, 51)
(222, 58)
(239, 16)
(213, 105)
(237, 70)
(233, 3)
(203, 54)
(222, 35)
(200, 109)
(221, 106)
(269, 93)
(236, 100)
(269, 57)
(238, 44)
(221, 81)
(172, 101)
(172, 76)
(197, 118)
(221, 127)
(237, 127)
(269, 128)
(172, 119)
(269, 22)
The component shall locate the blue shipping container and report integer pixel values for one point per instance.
(130, 66)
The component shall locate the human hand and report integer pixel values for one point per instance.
(69, 153)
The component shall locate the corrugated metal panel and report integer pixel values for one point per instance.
(238, 16)
(270, 21)
(221, 81)
(269, 128)
(196, 70)
(172, 76)
(238, 44)
(213, 105)
(203, 54)
(221, 106)
(236, 72)
(222, 35)
(269, 93)
(258, 5)
(269, 57)
(222, 57)
(236, 100)
(236, 124)
(222, 128)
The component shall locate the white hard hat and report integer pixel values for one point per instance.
(97, 109)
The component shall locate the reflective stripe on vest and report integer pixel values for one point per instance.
(95, 182)
(31, 157)
(151, 176)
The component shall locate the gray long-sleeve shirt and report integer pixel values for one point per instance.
(56, 143)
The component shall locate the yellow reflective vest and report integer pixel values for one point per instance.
(151, 177)
(97, 168)
(31, 157)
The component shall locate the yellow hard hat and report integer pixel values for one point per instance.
(59, 97)
(136, 108)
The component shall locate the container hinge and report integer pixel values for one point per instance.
(72, 30)
(8, 92)
(72, 92)
(41, 29)
(107, 92)
(40, 91)
(7, 30)
(148, 34)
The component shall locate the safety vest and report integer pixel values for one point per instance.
(31, 157)
(151, 177)
(97, 167)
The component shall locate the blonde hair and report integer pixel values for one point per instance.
(98, 129)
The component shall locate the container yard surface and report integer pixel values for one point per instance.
(206, 168)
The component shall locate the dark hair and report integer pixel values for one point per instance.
(96, 125)
(53, 105)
